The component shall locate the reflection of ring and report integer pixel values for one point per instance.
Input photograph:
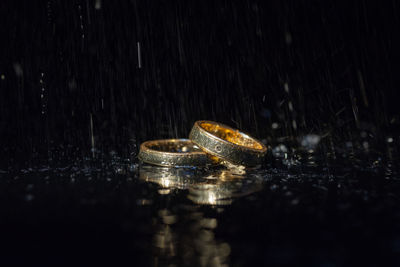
(228, 144)
(170, 178)
(172, 153)
(224, 189)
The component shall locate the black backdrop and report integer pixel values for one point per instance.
(149, 69)
(323, 67)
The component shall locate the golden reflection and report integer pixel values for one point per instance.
(231, 135)
(184, 234)
(169, 178)
(188, 240)
(164, 240)
(216, 187)
(222, 187)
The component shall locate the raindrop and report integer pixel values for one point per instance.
(97, 4)
(294, 124)
(288, 38)
(366, 145)
(295, 201)
(349, 144)
(286, 87)
(42, 94)
(81, 21)
(91, 134)
(18, 69)
(29, 197)
(139, 56)
(49, 12)
(72, 84)
(279, 150)
(310, 141)
(290, 105)
(273, 187)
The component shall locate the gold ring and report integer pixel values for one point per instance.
(172, 153)
(227, 143)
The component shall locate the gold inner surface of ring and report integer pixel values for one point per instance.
(230, 135)
(173, 146)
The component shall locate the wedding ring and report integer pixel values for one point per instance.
(172, 153)
(227, 143)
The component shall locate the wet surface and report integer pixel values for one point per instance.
(295, 210)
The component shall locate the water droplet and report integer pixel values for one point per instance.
(290, 105)
(349, 144)
(366, 145)
(286, 87)
(139, 55)
(310, 141)
(97, 4)
(288, 38)
(295, 201)
(29, 197)
(279, 150)
(18, 69)
(294, 124)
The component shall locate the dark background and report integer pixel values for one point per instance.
(70, 70)
(219, 60)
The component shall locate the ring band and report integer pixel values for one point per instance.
(227, 143)
(172, 153)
